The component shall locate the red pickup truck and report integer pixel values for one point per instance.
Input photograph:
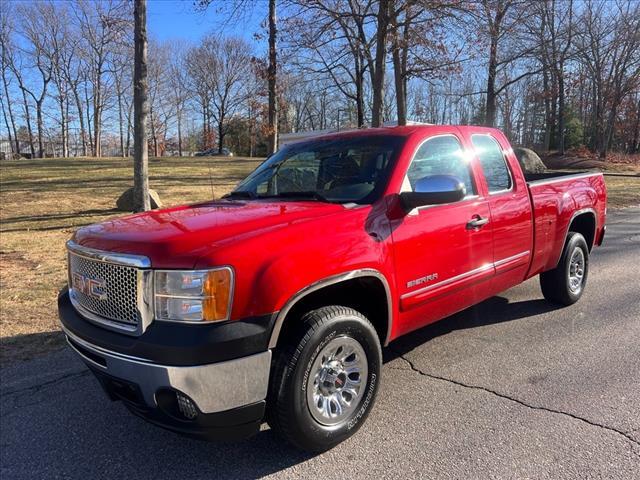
(272, 303)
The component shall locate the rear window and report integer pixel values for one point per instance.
(493, 163)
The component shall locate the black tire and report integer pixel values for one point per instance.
(556, 285)
(288, 411)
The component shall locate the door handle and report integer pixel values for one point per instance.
(477, 222)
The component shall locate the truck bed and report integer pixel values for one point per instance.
(557, 198)
(553, 175)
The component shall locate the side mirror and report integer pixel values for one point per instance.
(433, 190)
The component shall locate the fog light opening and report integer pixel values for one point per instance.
(186, 406)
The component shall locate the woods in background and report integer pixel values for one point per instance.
(553, 74)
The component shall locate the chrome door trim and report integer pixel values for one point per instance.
(360, 273)
(448, 281)
(511, 258)
(464, 275)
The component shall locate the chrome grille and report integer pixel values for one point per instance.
(120, 287)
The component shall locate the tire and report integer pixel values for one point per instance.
(297, 372)
(556, 284)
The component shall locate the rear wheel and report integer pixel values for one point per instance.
(565, 283)
(324, 380)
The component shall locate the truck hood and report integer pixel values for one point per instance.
(177, 237)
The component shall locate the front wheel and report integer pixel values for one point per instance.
(565, 283)
(324, 380)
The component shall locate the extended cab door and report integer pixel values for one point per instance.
(510, 206)
(443, 253)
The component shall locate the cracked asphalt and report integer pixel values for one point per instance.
(513, 388)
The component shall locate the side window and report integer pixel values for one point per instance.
(494, 165)
(441, 156)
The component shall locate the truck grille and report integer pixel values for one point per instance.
(106, 289)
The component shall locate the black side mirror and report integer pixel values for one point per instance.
(433, 190)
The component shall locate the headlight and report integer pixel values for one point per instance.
(193, 295)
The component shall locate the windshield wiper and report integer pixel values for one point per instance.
(240, 194)
(302, 194)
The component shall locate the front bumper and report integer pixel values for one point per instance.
(228, 397)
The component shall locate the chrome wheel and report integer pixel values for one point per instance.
(576, 270)
(337, 380)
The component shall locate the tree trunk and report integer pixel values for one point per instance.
(380, 63)
(399, 71)
(121, 124)
(220, 134)
(154, 135)
(63, 125)
(28, 120)
(86, 96)
(635, 143)
(11, 117)
(83, 134)
(179, 133)
(40, 124)
(359, 96)
(490, 109)
(273, 93)
(6, 122)
(547, 112)
(401, 94)
(97, 116)
(141, 109)
(561, 107)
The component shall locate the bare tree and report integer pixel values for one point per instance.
(141, 109)
(103, 26)
(6, 31)
(36, 50)
(610, 46)
(272, 79)
(179, 92)
(236, 10)
(223, 66)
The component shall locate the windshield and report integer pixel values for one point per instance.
(338, 170)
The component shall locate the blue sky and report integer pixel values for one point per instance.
(178, 19)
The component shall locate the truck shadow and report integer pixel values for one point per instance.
(492, 311)
(55, 403)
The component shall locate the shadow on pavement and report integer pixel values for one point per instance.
(491, 311)
(79, 433)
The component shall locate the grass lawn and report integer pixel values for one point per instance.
(43, 201)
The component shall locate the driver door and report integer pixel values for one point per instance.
(443, 253)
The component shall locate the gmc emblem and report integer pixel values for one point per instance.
(92, 287)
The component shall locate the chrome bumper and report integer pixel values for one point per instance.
(214, 388)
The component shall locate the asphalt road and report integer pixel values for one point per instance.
(510, 389)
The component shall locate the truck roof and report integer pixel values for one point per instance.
(403, 131)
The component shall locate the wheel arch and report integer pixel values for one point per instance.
(326, 291)
(583, 222)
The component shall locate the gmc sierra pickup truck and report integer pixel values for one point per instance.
(273, 303)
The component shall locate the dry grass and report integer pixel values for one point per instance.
(44, 201)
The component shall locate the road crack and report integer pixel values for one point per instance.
(36, 388)
(519, 402)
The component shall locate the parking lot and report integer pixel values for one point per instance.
(512, 388)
